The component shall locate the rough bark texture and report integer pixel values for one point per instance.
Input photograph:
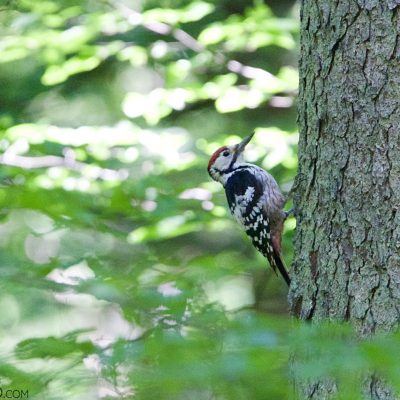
(347, 195)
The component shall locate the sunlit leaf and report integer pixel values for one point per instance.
(51, 347)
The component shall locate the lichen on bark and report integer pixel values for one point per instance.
(347, 193)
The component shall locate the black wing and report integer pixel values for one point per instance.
(240, 183)
(244, 193)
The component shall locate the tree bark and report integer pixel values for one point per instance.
(347, 193)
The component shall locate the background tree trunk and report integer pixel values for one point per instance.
(347, 196)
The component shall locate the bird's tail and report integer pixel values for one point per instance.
(277, 263)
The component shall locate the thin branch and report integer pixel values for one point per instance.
(188, 41)
(161, 28)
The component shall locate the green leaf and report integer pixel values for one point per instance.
(52, 347)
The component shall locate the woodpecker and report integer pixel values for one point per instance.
(254, 199)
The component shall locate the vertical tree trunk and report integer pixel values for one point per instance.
(347, 264)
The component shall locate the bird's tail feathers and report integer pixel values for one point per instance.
(280, 265)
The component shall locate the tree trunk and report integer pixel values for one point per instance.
(347, 193)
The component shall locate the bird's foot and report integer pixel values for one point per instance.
(288, 212)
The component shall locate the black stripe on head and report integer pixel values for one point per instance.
(235, 156)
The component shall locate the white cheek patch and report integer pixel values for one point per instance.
(222, 163)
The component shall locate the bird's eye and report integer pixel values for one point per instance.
(225, 153)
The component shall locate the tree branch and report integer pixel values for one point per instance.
(188, 41)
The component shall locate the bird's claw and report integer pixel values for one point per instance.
(288, 212)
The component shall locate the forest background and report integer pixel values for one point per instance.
(122, 273)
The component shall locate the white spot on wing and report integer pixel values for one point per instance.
(249, 194)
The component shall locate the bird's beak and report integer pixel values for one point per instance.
(240, 146)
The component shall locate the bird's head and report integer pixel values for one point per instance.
(226, 159)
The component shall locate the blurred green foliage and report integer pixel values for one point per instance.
(122, 273)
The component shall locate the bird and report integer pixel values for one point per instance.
(255, 201)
